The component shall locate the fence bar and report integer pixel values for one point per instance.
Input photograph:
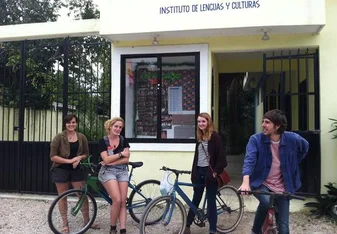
(65, 76)
(316, 89)
(21, 112)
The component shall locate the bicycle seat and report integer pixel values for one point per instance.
(136, 164)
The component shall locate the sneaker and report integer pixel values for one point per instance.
(187, 230)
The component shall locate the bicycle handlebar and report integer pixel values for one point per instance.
(285, 194)
(87, 163)
(175, 171)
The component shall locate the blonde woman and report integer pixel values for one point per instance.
(209, 160)
(114, 151)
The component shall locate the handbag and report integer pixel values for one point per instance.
(222, 178)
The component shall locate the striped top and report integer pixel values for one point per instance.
(202, 157)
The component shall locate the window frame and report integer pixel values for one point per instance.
(159, 57)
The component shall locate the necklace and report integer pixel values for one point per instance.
(71, 136)
(112, 141)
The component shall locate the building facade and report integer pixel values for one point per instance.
(171, 60)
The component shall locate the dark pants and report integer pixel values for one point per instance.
(281, 205)
(211, 191)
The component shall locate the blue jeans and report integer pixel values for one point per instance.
(211, 191)
(281, 205)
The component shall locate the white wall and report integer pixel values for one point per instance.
(205, 89)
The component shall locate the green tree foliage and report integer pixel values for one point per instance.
(28, 11)
(82, 9)
(89, 64)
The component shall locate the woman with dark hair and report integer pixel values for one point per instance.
(67, 149)
(209, 161)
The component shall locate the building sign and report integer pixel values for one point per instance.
(204, 7)
(129, 17)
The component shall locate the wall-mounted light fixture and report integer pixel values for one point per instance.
(265, 36)
(155, 41)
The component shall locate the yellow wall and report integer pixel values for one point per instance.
(36, 128)
(216, 91)
(256, 65)
(326, 41)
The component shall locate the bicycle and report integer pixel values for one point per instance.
(270, 223)
(229, 214)
(75, 198)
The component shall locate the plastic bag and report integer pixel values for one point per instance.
(165, 186)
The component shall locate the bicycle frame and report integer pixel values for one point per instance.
(182, 194)
(270, 220)
(269, 223)
(93, 183)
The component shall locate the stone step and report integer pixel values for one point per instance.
(234, 165)
(235, 158)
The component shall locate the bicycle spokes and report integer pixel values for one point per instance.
(73, 210)
(173, 216)
(229, 208)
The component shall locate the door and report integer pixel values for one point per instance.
(290, 83)
(11, 131)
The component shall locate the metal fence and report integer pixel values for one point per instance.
(40, 82)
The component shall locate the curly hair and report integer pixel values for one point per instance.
(108, 124)
(205, 136)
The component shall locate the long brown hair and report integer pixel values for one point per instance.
(201, 136)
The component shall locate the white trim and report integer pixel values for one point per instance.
(116, 69)
(162, 147)
(33, 31)
(116, 82)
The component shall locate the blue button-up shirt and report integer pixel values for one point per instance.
(258, 159)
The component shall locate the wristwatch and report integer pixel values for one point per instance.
(120, 155)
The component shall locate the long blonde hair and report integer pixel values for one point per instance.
(201, 136)
(108, 124)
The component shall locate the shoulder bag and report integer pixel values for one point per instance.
(222, 178)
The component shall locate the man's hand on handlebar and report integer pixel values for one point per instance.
(244, 189)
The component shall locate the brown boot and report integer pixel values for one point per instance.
(187, 230)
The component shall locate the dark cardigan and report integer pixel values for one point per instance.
(217, 155)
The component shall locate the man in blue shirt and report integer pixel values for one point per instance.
(272, 164)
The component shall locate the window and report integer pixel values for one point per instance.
(159, 94)
(175, 100)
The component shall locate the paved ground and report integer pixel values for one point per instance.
(30, 216)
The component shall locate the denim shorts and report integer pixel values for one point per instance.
(107, 173)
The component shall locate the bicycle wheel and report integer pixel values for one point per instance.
(141, 196)
(229, 207)
(173, 216)
(70, 209)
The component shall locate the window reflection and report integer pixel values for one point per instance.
(178, 97)
(170, 78)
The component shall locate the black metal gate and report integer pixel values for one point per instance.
(290, 82)
(40, 82)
